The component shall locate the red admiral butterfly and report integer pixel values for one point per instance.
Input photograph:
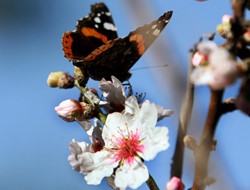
(95, 48)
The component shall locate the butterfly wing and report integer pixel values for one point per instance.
(92, 31)
(117, 56)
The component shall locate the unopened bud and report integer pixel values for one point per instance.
(175, 183)
(70, 110)
(190, 142)
(209, 181)
(60, 79)
(224, 29)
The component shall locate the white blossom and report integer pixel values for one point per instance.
(129, 137)
(220, 71)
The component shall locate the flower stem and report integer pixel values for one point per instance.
(152, 184)
(203, 150)
(100, 115)
(185, 114)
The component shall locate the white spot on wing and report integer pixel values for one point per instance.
(96, 26)
(109, 26)
(156, 32)
(97, 20)
(98, 14)
(108, 13)
(154, 26)
(166, 21)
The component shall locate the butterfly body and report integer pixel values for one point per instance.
(97, 50)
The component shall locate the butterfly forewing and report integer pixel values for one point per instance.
(96, 50)
(117, 56)
(101, 20)
(92, 31)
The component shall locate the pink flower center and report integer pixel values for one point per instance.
(127, 147)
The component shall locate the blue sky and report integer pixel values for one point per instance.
(34, 140)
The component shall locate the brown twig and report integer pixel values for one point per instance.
(203, 150)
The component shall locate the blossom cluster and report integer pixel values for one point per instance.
(219, 66)
(121, 142)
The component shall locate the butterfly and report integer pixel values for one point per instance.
(95, 48)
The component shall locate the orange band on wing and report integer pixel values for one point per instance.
(140, 42)
(90, 32)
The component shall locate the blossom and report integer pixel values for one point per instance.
(115, 96)
(129, 138)
(175, 183)
(220, 69)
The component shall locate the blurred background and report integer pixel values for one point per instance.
(34, 140)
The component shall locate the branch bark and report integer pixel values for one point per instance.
(206, 144)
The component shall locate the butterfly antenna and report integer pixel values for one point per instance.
(149, 67)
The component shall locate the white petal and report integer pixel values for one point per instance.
(93, 97)
(201, 76)
(162, 113)
(131, 175)
(206, 47)
(86, 125)
(77, 149)
(111, 183)
(131, 105)
(96, 166)
(147, 115)
(155, 141)
(113, 91)
(97, 132)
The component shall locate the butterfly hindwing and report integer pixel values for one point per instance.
(117, 56)
(75, 46)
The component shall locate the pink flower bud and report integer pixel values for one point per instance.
(224, 29)
(68, 110)
(175, 183)
(226, 19)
